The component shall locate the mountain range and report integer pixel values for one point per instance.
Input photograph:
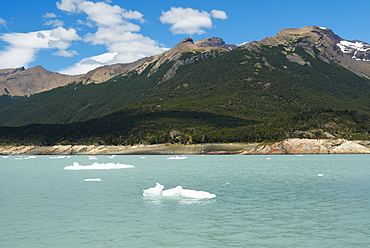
(305, 82)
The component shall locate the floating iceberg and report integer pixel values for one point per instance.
(177, 157)
(97, 166)
(59, 157)
(158, 192)
(92, 180)
(29, 157)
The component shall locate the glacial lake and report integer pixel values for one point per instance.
(261, 201)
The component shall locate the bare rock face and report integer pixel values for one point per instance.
(292, 146)
(310, 146)
(104, 73)
(6, 72)
(215, 42)
(350, 147)
(288, 146)
(21, 82)
(303, 146)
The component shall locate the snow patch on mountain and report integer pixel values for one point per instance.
(354, 47)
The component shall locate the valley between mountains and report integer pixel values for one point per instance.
(305, 83)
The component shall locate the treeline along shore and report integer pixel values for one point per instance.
(287, 146)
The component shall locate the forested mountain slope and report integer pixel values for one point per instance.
(300, 83)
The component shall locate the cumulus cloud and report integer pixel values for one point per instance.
(23, 47)
(219, 14)
(100, 12)
(69, 5)
(190, 21)
(108, 25)
(115, 30)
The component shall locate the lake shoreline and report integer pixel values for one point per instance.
(288, 146)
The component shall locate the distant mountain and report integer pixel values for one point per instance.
(22, 82)
(303, 82)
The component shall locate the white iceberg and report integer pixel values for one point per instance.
(177, 157)
(29, 157)
(98, 166)
(177, 192)
(92, 180)
(59, 157)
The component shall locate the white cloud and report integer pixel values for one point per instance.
(134, 15)
(89, 64)
(54, 23)
(61, 33)
(69, 5)
(190, 21)
(114, 34)
(49, 15)
(23, 47)
(2, 22)
(61, 38)
(109, 25)
(131, 49)
(99, 12)
(114, 29)
(219, 14)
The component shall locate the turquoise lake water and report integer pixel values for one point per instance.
(261, 201)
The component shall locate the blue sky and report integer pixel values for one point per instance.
(75, 36)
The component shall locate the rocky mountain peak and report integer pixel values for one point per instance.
(318, 36)
(9, 71)
(214, 42)
(323, 43)
(308, 31)
(186, 40)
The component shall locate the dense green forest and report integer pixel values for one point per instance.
(238, 96)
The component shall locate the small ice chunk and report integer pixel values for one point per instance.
(97, 166)
(92, 180)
